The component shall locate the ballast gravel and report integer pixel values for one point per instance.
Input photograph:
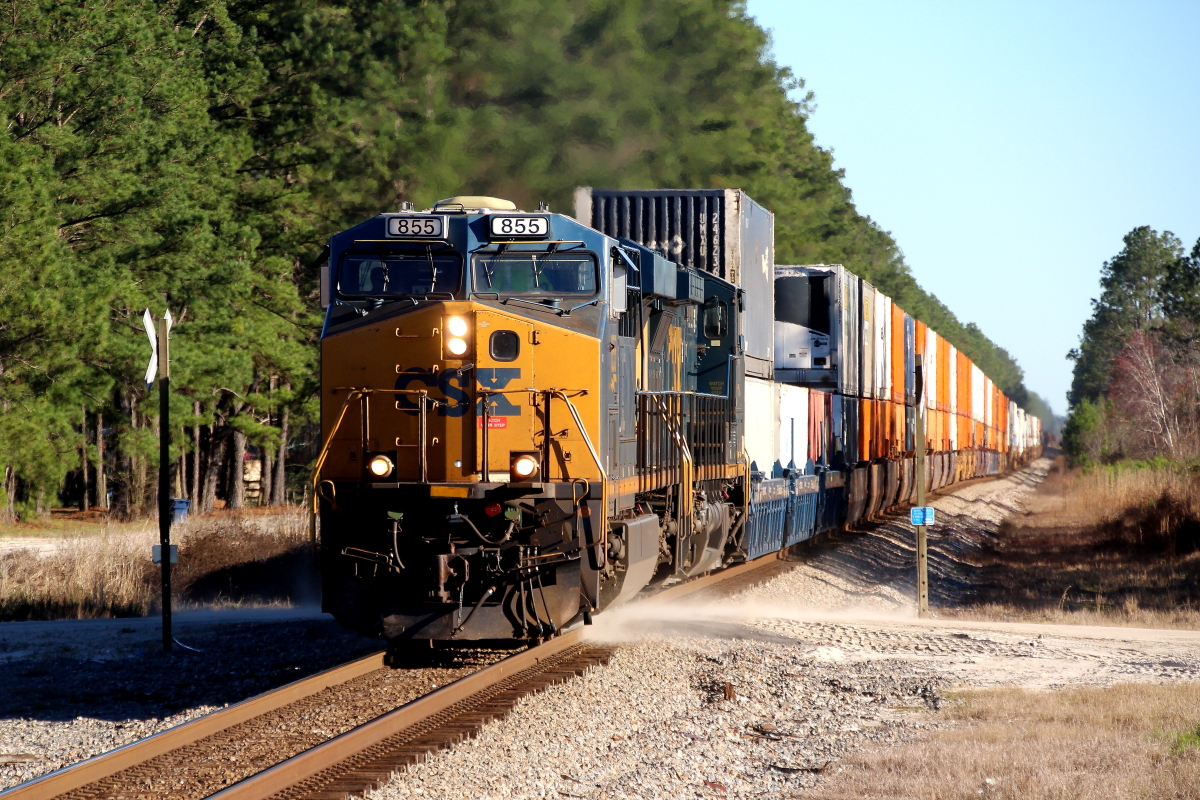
(762, 695)
(693, 717)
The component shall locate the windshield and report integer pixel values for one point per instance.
(413, 273)
(535, 273)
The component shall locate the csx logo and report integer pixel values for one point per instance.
(449, 384)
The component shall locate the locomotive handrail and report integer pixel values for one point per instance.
(600, 552)
(562, 395)
(684, 494)
(687, 394)
(352, 394)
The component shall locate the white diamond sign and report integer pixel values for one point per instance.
(148, 321)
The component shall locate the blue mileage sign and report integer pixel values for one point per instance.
(921, 516)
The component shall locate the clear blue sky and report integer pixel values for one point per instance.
(1007, 146)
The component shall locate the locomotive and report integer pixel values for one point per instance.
(529, 417)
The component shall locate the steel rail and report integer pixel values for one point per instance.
(310, 762)
(75, 776)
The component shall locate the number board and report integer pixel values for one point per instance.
(424, 226)
(921, 516)
(511, 226)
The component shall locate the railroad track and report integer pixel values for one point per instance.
(364, 757)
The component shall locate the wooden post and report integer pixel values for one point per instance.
(101, 476)
(164, 476)
(83, 461)
(922, 542)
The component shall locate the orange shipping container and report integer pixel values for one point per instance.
(865, 407)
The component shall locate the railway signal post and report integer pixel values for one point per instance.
(160, 357)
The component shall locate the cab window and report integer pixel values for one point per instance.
(398, 273)
(716, 318)
(523, 272)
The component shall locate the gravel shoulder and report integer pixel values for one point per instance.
(72, 689)
(764, 694)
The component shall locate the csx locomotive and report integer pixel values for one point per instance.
(528, 418)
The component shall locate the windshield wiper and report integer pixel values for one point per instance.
(543, 305)
(550, 304)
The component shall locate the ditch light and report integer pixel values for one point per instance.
(523, 466)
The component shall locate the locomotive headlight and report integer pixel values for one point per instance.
(456, 337)
(380, 466)
(523, 466)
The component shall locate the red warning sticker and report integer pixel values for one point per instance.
(493, 422)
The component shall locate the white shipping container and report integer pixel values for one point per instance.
(953, 397)
(868, 340)
(883, 346)
(976, 394)
(792, 436)
(762, 413)
(849, 380)
(930, 366)
(987, 401)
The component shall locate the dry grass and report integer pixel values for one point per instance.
(225, 558)
(1102, 548)
(1072, 499)
(1126, 741)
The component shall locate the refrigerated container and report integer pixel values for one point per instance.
(817, 328)
(719, 231)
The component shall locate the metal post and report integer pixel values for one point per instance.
(922, 543)
(164, 477)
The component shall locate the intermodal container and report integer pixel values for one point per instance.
(898, 358)
(881, 333)
(792, 435)
(866, 354)
(720, 231)
(943, 374)
(930, 365)
(820, 423)
(978, 401)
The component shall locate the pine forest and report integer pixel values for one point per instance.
(195, 156)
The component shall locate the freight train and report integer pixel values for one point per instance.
(529, 417)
